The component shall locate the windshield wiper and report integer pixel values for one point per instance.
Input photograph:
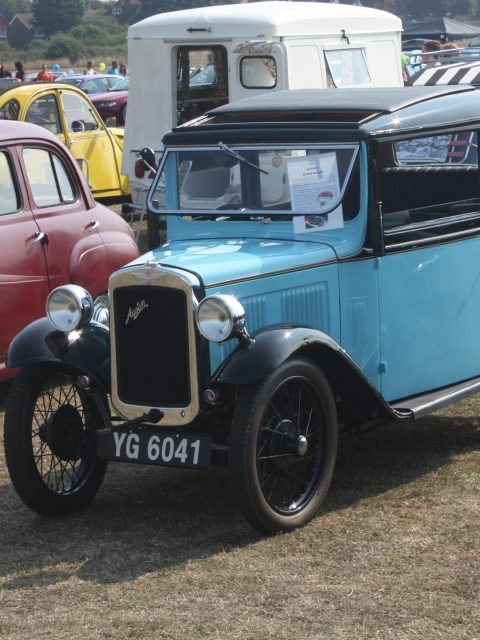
(233, 154)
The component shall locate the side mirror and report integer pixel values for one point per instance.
(147, 159)
(111, 122)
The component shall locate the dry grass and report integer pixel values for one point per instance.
(394, 554)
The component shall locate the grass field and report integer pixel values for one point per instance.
(393, 554)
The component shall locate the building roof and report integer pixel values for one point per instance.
(25, 18)
(440, 28)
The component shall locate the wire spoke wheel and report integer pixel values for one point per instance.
(283, 446)
(50, 442)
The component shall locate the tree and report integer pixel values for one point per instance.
(152, 7)
(8, 8)
(57, 15)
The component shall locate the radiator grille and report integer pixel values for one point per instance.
(152, 351)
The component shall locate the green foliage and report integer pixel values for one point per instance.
(152, 7)
(57, 15)
(63, 46)
(8, 8)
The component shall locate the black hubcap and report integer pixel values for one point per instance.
(64, 434)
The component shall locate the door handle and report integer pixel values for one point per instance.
(94, 224)
(40, 237)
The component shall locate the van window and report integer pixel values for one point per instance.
(258, 72)
(347, 67)
(202, 80)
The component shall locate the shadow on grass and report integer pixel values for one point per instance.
(146, 519)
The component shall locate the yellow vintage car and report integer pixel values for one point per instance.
(68, 113)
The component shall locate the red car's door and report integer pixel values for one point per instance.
(74, 250)
(23, 274)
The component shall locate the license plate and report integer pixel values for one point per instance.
(148, 446)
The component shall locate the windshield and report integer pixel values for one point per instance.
(122, 85)
(282, 181)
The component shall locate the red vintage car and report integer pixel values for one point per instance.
(52, 231)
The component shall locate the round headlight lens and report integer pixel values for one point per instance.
(219, 316)
(69, 307)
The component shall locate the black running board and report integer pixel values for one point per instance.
(422, 405)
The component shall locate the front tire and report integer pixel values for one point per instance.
(283, 446)
(50, 444)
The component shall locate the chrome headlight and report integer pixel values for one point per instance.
(101, 310)
(69, 307)
(219, 317)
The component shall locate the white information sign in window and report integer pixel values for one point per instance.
(314, 188)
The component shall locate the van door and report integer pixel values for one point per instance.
(202, 80)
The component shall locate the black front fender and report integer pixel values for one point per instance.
(267, 351)
(87, 349)
(361, 402)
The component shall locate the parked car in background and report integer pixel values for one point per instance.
(321, 274)
(413, 43)
(113, 104)
(67, 112)
(98, 83)
(51, 229)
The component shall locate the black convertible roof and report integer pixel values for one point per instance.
(340, 113)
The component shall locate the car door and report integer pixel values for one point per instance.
(24, 282)
(71, 118)
(429, 277)
(89, 141)
(74, 248)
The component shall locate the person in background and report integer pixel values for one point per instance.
(123, 70)
(20, 71)
(113, 71)
(429, 47)
(90, 71)
(43, 75)
(101, 67)
(451, 52)
(4, 73)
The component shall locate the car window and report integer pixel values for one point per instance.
(96, 85)
(258, 72)
(432, 190)
(49, 179)
(44, 112)
(78, 114)
(10, 110)
(9, 200)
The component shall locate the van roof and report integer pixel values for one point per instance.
(262, 20)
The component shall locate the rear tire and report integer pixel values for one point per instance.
(50, 444)
(283, 446)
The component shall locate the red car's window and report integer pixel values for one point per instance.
(49, 179)
(9, 200)
(44, 111)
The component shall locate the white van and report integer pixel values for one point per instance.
(183, 63)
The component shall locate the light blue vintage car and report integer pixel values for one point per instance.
(322, 273)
